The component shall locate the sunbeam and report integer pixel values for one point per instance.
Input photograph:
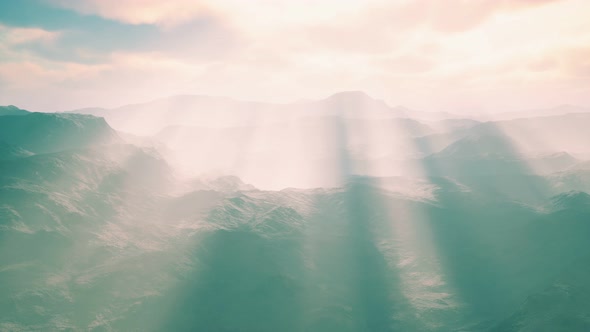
(318, 166)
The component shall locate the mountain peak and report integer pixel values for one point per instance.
(571, 200)
(52, 132)
(478, 146)
(12, 110)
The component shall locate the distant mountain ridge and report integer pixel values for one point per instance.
(202, 110)
(52, 132)
(12, 110)
(551, 111)
(198, 110)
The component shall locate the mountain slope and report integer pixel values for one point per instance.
(51, 132)
(10, 152)
(12, 110)
(545, 134)
(562, 303)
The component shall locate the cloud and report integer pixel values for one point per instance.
(460, 15)
(576, 61)
(422, 53)
(70, 36)
(35, 72)
(139, 11)
(405, 64)
(384, 26)
(15, 36)
(542, 64)
(15, 42)
(125, 77)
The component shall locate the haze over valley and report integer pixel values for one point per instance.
(330, 215)
(304, 166)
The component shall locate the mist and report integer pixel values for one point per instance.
(294, 166)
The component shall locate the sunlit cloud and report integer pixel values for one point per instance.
(497, 54)
(16, 36)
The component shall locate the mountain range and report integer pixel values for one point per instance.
(344, 214)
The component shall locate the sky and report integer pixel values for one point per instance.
(453, 55)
